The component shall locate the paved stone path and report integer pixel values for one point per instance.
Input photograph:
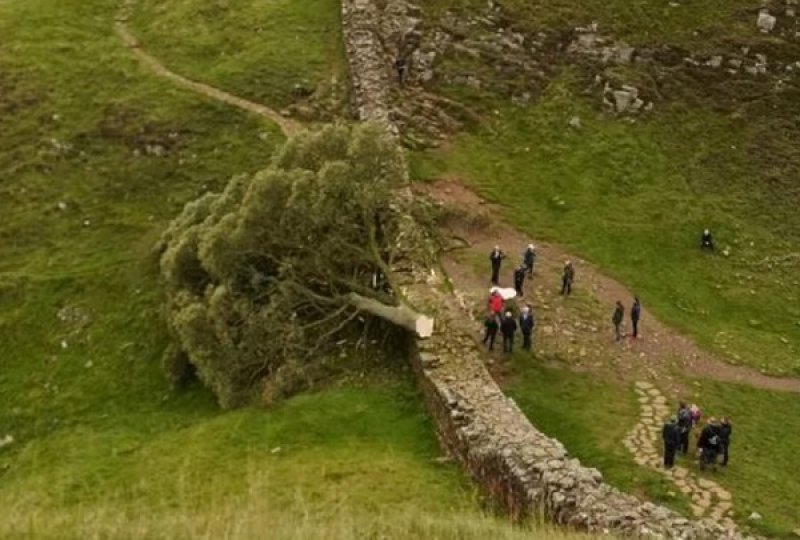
(709, 499)
(287, 125)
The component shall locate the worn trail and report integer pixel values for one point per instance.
(287, 125)
(578, 329)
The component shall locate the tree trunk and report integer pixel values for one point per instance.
(421, 325)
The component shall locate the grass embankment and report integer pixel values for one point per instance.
(97, 155)
(591, 415)
(259, 50)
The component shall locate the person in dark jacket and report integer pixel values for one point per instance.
(567, 278)
(706, 241)
(709, 444)
(636, 314)
(671, 434)
(685, 425)
(491, 325)
(400, 66)
(526, 324)
(725, 432)
(508, 326)
(616, 318)
(529, 259)
(519, 280)
(496, 257)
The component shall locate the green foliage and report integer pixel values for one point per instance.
(255, 278)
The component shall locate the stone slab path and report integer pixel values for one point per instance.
(287, 125)
(708, 498)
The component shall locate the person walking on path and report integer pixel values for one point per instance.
(491, 325)
(616, 318)
(685, 425)
(725, 432)
(529, 259)
(636, 314)
(508, 327)
(519, 280)
(567, 278)
(527, 322)
(671, 434)
(706, 241)
(496, 257)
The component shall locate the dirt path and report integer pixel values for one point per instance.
(287, 125)
(577, 329)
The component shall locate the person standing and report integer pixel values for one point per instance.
(671, 434)
(529, 259)
(496, 257)
(508, 327)
(709, 443)
(616, 318)
(519, 280)
(725, 432)
(496, 303)
(567, 278)
(491, 325)
(636, 314)
(706, 241)
(685, 425)
(400, 66)
(527, 322)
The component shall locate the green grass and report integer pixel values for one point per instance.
(591, 415)
(633, 198)
(257, 49)
(97, 156)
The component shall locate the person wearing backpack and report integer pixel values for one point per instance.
(616, 318)
(671, 434)
(685, 425)
(725, 431)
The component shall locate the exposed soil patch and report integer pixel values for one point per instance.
(576, 330)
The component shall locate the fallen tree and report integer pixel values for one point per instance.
(288, 264)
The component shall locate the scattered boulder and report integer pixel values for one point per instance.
(575, 122)
(8, 440)
(755, 516)
(765, 21)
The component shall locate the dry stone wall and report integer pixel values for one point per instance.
(519, 467)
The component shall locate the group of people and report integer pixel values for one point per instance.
(508, 325)
(713, 441)
(619, 316)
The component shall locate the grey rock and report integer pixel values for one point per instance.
(765, 21)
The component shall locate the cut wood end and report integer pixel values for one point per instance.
(424, 327)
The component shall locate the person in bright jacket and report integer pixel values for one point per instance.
(527, 322)
(496, 303)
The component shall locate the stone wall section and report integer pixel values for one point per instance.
(520, 468)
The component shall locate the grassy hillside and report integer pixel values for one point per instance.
(97, 155)
(633, 196)
(257, 49)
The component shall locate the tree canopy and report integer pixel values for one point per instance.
(258, 276)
